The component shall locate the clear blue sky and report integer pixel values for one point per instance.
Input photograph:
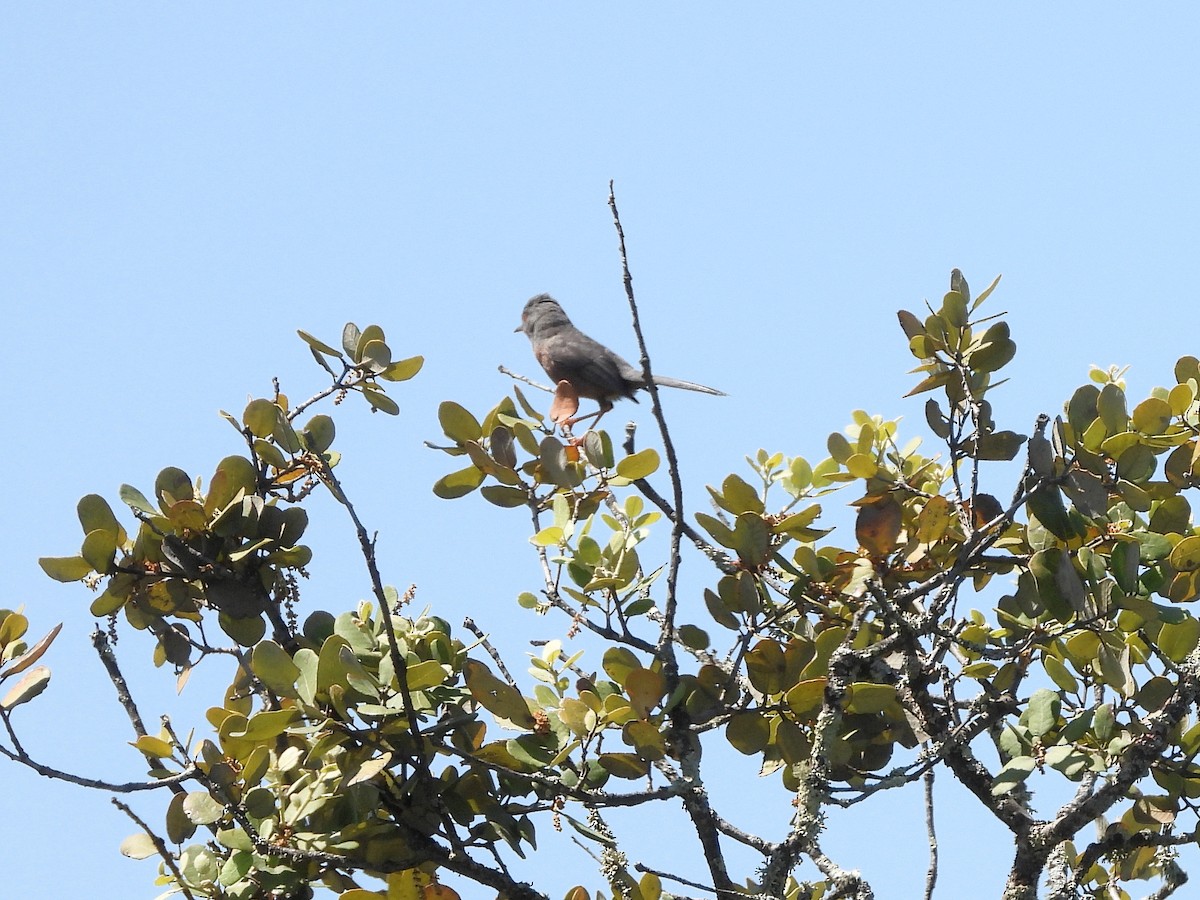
(183, 185)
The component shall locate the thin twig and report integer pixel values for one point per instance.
(932, 874)
(504, 370)
(469, 624)
(159, 845)
(678, 879)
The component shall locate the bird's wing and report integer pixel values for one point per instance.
(592, 369)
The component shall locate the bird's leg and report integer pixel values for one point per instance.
(605, 406)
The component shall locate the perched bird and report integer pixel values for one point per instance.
(587, 366)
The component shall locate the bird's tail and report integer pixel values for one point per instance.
(664, 381)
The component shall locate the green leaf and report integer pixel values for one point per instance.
(720, 532)
(201, 809)
(985, 293)
(807, 696)
(376, 356)
(365, 337)
(426, 674)
(265, 725)
(498, 697)
(179, 827)
(640, 465)
(350, 339)
(748, 732)
(624, 765)
(597, 447)
(381, 402)
(136, 500)
(1015, 771)
(737, 496)
(275, 668)
(693, 637)
(1058, 584)
(153, 746)
(458, 424)
(954, 309)
(1152, 416)
(1177, 640)
(318, 433)
(404, 369)
(99, 549)
(996, 351)
(261, 417)
(766, 667)
(233, 475)
(173, 485)
(96, 515)
(644, 687)
(65, 568)
(941, 379)
(308, 663)
(458, 484)
(868, 697)
(318, 344)
(1046, 505)
(752, 539)
(247, 631)
(1111, 407)
(1059, 674)
(618, 662)
(1124, 563)
(935, 517)
(1042, 713)
(503, 496)
(999, 446)
(1172, 516)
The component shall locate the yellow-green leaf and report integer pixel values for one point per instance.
(640, 465)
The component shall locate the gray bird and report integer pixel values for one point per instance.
(592, 370)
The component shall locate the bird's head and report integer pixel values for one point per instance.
(541, 313)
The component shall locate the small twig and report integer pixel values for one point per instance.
(350, 376)
(679, 879)
(159, 845)
(504, 370)
(469, 624)
(932, 874)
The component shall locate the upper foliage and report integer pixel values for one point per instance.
(1052, 630)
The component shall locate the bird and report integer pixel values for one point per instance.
(587, 366)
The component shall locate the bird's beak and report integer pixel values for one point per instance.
(518, 328)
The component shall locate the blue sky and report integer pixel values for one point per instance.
(185, 185)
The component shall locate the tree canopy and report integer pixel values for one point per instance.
(1012, 609)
